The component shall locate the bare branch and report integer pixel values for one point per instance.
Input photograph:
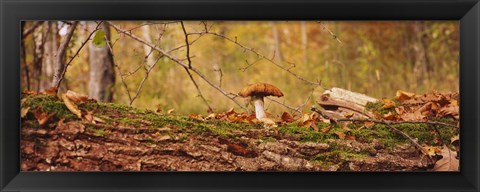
(235, 41)
(190, 66)
(179, 62)
(330, 32)
(389, 125)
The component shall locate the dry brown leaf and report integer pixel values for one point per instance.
(387, 103)
(390, 116)
(314, 126)
(76, 97)
(170, 111)
(286, 117)
(448, 161)
(42, 117)
(52, 91)
(71, 106)
(211, 116)
(403, 95)
(24, 112)
(29, 92)
(369, 124)
(350, 137)
(326, 129)
(196, 117)
(61, 122)
(268, 123)
(89, 117)
(431, 150)
(340, 135)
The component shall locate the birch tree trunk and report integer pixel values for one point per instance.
(50, 46)
(102, 73)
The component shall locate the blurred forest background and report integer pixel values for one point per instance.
(302, 58)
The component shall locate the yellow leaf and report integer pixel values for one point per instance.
(170, 111)
(71, 106)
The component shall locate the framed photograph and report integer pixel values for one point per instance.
(239, 95)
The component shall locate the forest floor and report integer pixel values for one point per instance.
(114, 137)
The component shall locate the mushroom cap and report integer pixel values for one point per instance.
(260, 89)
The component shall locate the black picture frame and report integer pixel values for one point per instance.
(14, 11)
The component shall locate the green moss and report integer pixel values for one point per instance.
(377, 107)
(98, 132)
(337, 157)
(49, 105)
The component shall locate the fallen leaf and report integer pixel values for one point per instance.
(448, 162)
(431, 150)
(340, 135)
(24, 111)
(98, 119)
(268, 123)
(170, 111)
(89, 117)
(71, 106)
(326, 129)
(42, 117)
(350, 137)
(403, 95)
(196, 117)
(52, 91)
(369, 124)
(211, 116)
(76, 97)
(61, 122)
(387, 103)
(286, 117)
(390, 116)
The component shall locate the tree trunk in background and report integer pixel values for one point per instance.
(60, 56)
(102, 73)
(23, 60)
(49, 52)
(421, 67)
(277, 44)
(149, 60)
(303, 26)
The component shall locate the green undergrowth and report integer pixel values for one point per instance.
(117, 114)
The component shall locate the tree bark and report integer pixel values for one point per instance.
(50, 46)
(59, 61)
(102, 73)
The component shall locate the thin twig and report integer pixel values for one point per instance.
(235, 41)
(389, 125)
(190, 66)
(179, 62)
(330, 32)
(76, 53)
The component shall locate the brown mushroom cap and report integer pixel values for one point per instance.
(260, 89)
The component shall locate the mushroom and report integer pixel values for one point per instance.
(257, 92)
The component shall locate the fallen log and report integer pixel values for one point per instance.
(339, 102)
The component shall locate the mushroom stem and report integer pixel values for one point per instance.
(259, 111)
